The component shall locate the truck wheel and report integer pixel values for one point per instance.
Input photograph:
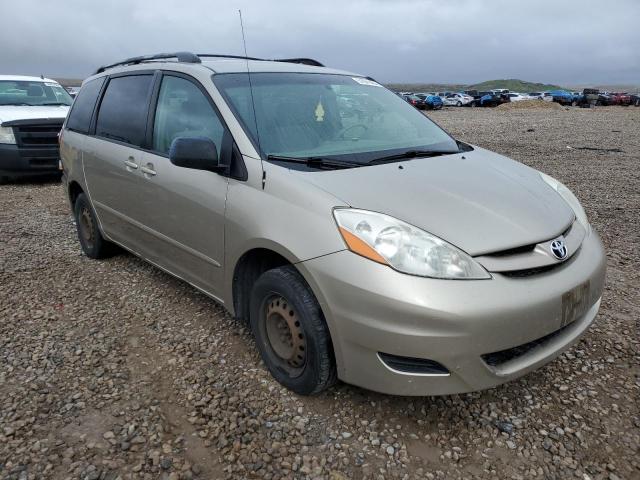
(291, 333)
(91, 240)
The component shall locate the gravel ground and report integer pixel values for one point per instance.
(113, 369)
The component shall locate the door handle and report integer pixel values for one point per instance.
(148, 170)
(131, 164)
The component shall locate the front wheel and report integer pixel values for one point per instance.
(291, 333)
(459, 104)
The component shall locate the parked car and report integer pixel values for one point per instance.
(517, 97)
(619, 98)
(378, 250)
(546, 96)
(432, 101)
(563, 97)
(488, 99)
(457, 99)
(589, 97)
(605, 99)
(635, 99)
(416, 101)
(32, 110)
(72, 91)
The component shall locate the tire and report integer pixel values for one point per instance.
(291, 333)
(91, 240)
(459, 104)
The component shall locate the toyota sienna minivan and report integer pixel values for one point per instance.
(358, 239)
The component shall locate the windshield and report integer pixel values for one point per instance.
(32, 93)
(320, 115)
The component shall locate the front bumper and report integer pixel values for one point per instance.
(18, 161)
(371, 308)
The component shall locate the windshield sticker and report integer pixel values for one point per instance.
(366, 81)
(319, 112)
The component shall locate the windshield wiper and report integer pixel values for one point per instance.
(56, 103)
(18, 104)
(410, 154)
(314, 162)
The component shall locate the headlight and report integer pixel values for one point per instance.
(392, 242)
(568, 196)
(6, 135)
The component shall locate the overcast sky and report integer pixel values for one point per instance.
(449, 41)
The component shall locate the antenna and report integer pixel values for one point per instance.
(253, 103)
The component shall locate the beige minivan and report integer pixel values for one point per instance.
(359, 239)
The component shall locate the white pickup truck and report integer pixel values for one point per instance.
(32, 110)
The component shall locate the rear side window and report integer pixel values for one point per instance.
(123, 110)
(80, 116)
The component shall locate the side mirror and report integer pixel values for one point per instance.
(199, 153)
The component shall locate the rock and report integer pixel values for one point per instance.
(504, 426)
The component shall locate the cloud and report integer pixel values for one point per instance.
(404, 40)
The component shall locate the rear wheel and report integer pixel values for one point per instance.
(91, 240)
(291, 333)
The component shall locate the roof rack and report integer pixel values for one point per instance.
(304, 61)
(188, 57)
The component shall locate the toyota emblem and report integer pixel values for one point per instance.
(559, 249)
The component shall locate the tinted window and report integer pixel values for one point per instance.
(123, 111)
(80, 116)
(184, 111)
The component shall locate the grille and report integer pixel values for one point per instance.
(529, 272)
(38, 135)
(497, 359)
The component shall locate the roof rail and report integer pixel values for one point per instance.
(216, 55)
(303, 61)
(186, 57)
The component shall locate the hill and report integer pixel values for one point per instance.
(514, 85)
(426, 87)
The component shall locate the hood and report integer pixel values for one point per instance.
(479, 201)
(9, 113)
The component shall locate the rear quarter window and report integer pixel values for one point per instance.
(82, 110)
(123, 110)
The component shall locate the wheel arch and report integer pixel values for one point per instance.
(246, 270)
(73, 191)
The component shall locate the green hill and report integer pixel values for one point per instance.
(513, 85)
(425, 87)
